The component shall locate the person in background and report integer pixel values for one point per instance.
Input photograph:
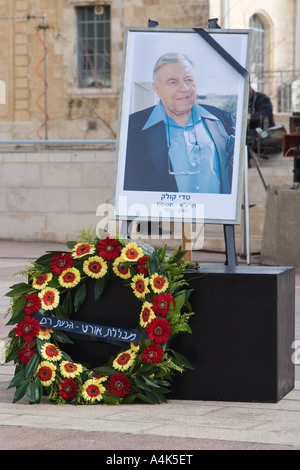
(260, 121)
(260, 110)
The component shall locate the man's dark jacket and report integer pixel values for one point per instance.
(147, 152)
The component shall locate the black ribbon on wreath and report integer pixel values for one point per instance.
(118, 336)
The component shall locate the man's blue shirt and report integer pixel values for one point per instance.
(192, 153)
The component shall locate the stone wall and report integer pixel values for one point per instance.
(53, 196)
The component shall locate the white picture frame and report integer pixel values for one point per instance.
(221, 61)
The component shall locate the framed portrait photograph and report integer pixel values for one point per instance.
(182, 125)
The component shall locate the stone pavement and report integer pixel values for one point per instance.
(178, 425)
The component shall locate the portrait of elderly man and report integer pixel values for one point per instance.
(179, 145)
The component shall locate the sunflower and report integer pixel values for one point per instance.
(50, 352)
(159, 283)
(82, 249)
(92, 390)
(40, 281)
(44, 333)
(95, 267)
(46, 373)
(135, 347)
(70, 369)
(132, 252)
(49, 297)
(119, 270)
(70, 277)
(146, 314)
(124, 360)
(139, 285)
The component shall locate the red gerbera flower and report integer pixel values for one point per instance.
(32, 304)
(28, 328)
(158, 330)
(154, 353)
(119, 384)
(67, 389)
(142, 265)
(109, 248)
(26, 353)
(60, 262)
(161, 304)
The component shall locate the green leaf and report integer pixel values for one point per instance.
(131, 398)
(179, 301)
(21, 390)
(181, 361)
(16, 319)
(110, 398)
(79, 297)
(45, 259)
(154, 262)
(18, 313)
(99, 287)
(60, 312)
(142, 384)
(34, 391)
(18, 290)
(156, 397)
(146, 369)
(162, 252)
(32, 366)
(71, 244)
(66, 356)
(61, 337)
(151, 382)
(17, 379)
(68, 304)
(11, 356)
(104, 370)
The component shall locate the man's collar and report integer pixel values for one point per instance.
(159, 114)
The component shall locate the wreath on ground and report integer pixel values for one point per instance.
(141, 371)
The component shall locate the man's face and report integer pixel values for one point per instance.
(176, 88)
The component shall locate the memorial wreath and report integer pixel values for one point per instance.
(42, 311)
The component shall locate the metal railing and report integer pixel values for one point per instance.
(277, 84)
(39, 146)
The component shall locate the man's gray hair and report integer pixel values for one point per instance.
(169, 58)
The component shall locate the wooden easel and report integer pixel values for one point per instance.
(231, 258)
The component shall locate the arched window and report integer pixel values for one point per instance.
(258, 52)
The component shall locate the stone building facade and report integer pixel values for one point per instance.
(276, 45)
(38, 32)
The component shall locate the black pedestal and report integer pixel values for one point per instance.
(243, 330)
